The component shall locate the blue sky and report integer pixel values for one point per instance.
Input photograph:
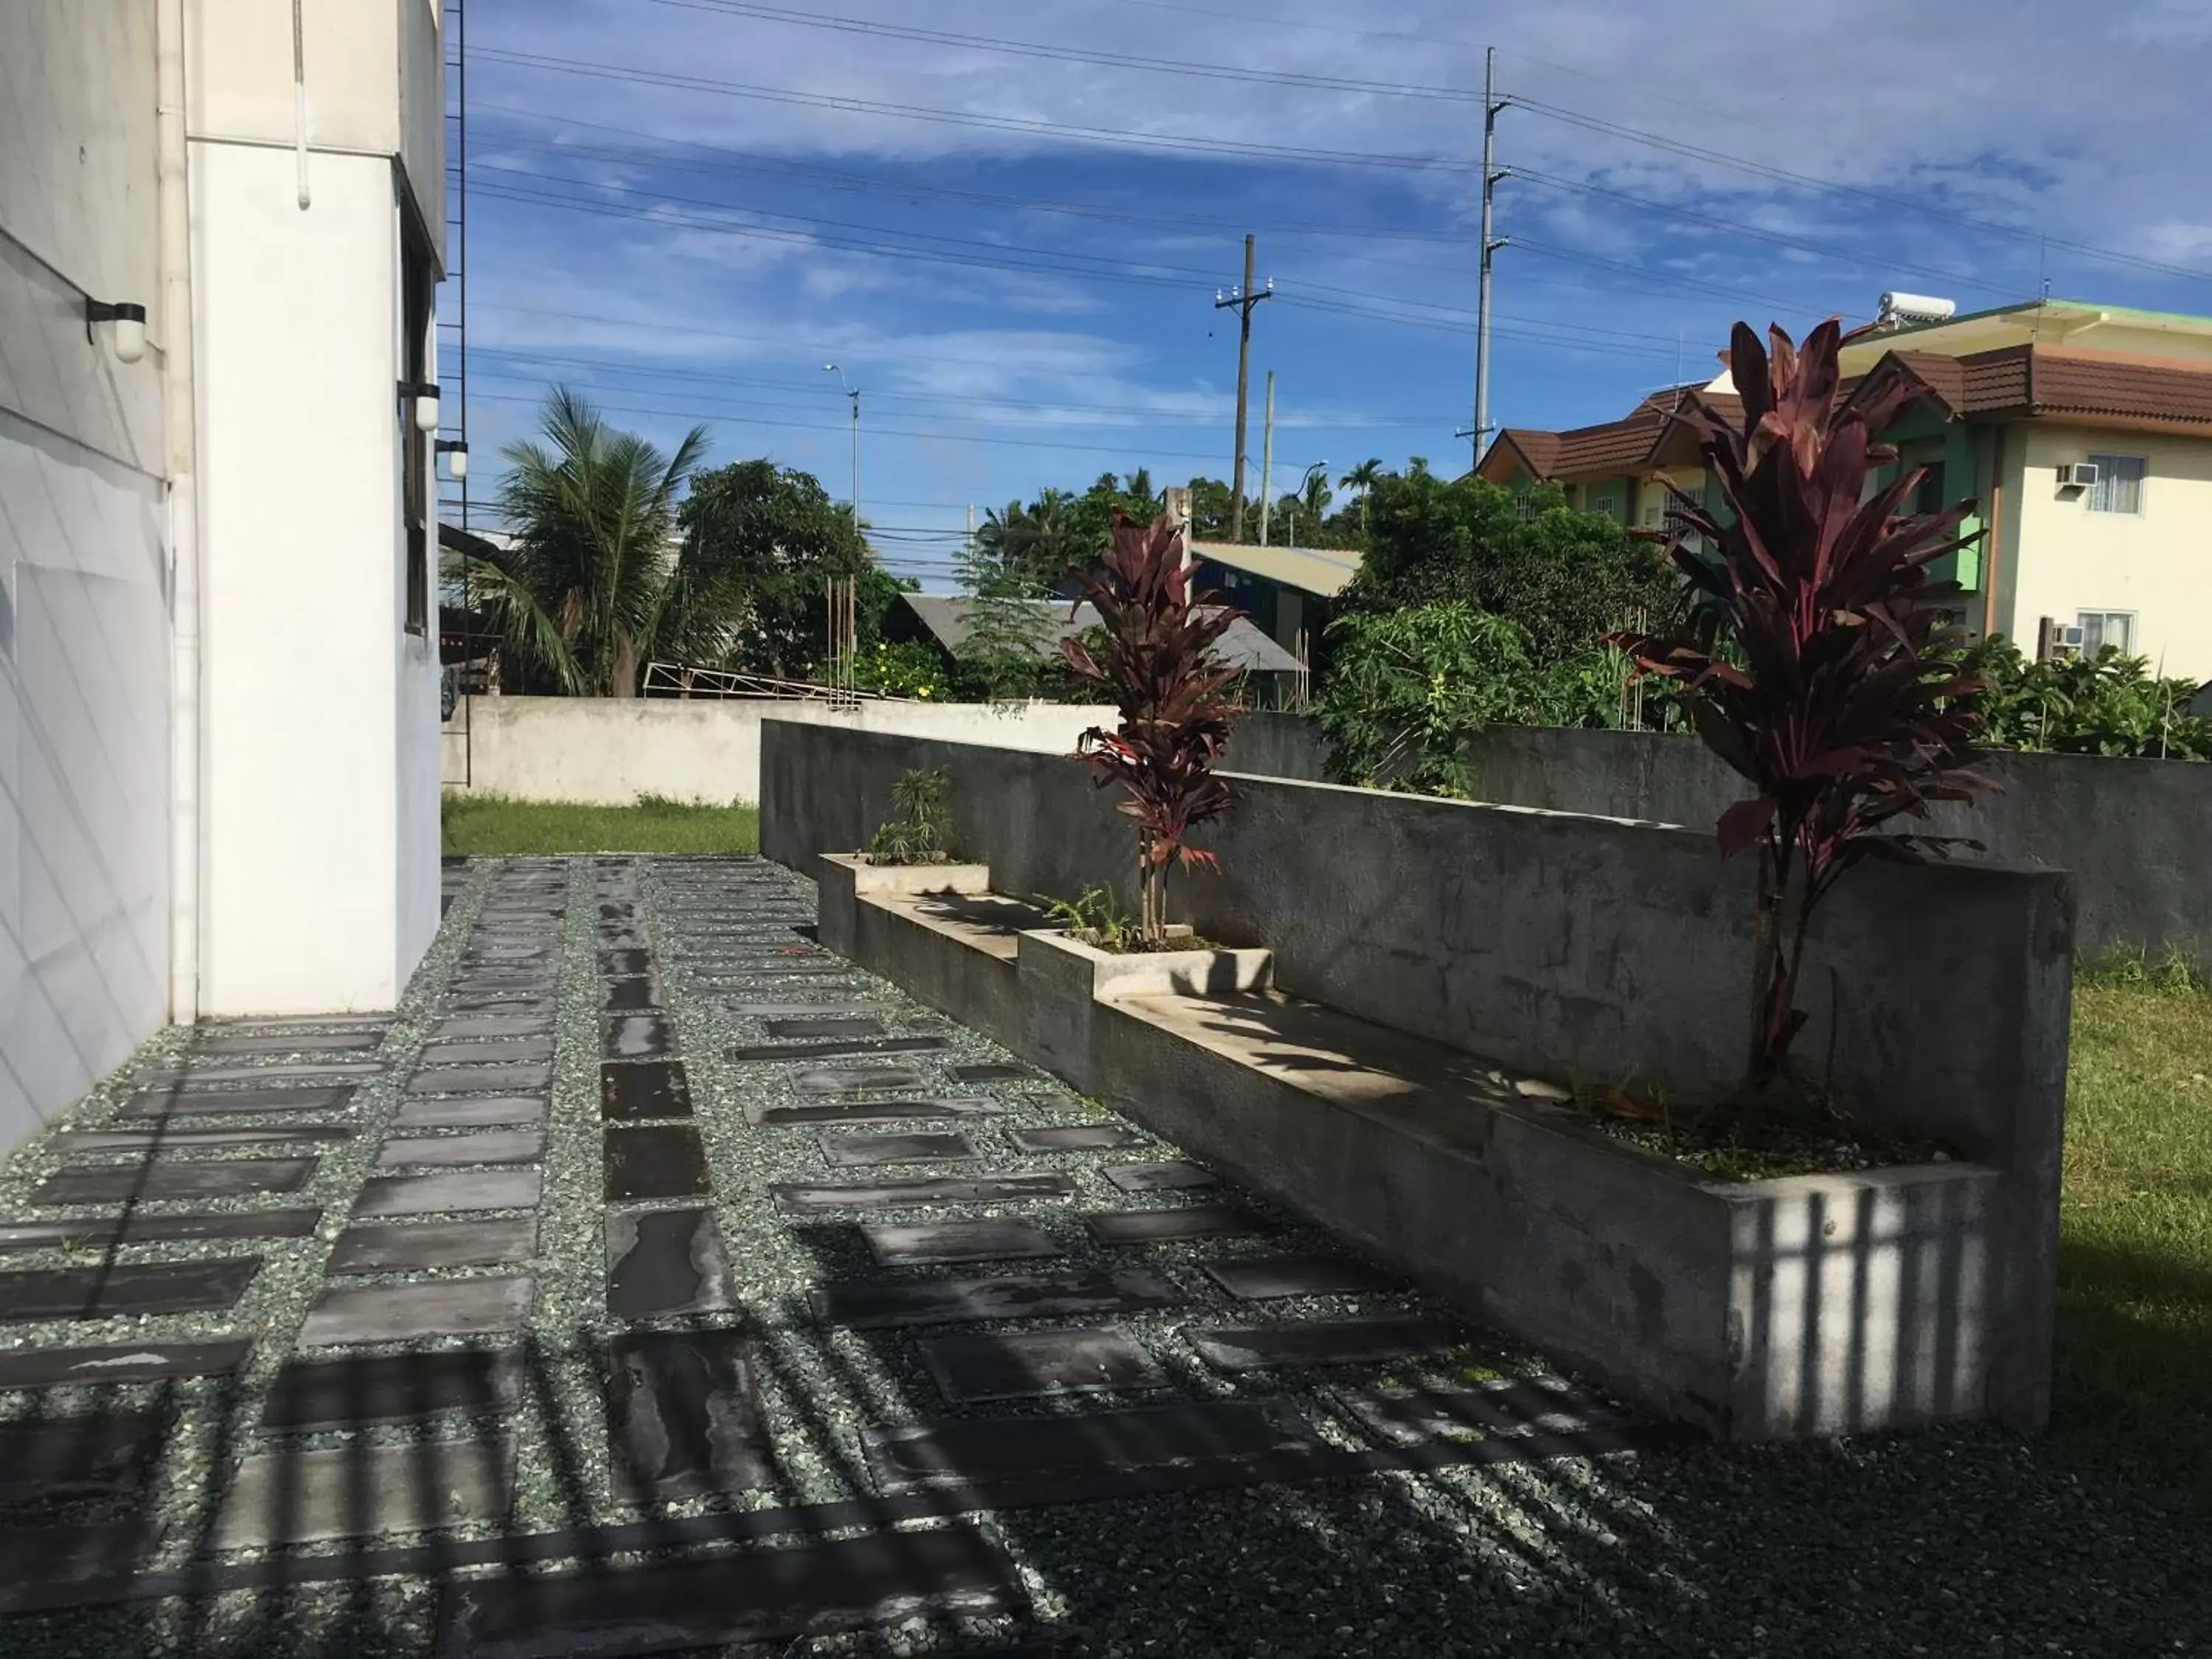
(685, 208)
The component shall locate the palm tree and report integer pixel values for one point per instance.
(1034, 545)
(594, 584)
(1140, 484)
(1363, 478)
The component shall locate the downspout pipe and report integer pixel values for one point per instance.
(300, 104)
(1993, 535)
(173, 213)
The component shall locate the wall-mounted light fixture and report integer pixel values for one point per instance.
(425, 395)
(456, 457)
(129, 339)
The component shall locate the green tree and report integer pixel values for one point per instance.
(1363, 478)
(774, 537)
(1038, 545)
(1209, 511)
(1566, 578)
(595, 583)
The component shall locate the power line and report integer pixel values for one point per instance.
(800, 172)
(1135, 276)
(898, 187)
(1783, 175)
(1061, 132)
(1073, 54)
(1694, 284)
(1227, 146)
(808, 238)
(1737, 228)
(1121, 450)
(936, 399)
(1136, 417)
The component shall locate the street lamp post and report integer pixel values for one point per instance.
(852, 393)
(1293, 505)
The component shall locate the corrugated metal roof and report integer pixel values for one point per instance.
(1323, 570)
(947, 618)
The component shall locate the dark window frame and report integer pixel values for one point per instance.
(417, 302)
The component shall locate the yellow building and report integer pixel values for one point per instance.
(2083, 434)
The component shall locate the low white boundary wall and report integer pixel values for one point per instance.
(607, 752)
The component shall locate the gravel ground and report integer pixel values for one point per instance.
(1958, 1542)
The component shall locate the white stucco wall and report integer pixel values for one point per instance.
(374, 79)
(2157, 564)
(608, 751)
(320, 716)
(84, 691)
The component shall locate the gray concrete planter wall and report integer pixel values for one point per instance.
(1573, 947)
(1812, 1305)
(2133, 831)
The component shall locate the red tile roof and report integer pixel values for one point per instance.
(2021, 382)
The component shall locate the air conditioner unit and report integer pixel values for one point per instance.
(2056, 639)
(2071, 638)
(2077, 474)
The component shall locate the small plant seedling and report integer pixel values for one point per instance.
(920, 821)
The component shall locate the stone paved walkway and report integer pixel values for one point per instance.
(653, 1280)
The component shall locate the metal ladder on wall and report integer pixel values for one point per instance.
(457, 751)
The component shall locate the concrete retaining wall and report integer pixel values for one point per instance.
(2136, 833)
(1807, 1305)
(1563, 945)
(607, 752)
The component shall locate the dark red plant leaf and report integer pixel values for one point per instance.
(1744, 823)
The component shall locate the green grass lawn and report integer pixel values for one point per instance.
(496, 826)
(2135, 1265)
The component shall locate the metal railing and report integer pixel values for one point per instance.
(671, 679)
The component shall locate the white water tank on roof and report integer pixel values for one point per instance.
(1916, 308)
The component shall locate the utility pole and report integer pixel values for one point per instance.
(1243, 299)
(1491, 105)
(852, 393)
(1266, 457)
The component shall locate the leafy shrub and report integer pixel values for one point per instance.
(920, 821)
(910, 668)
(1406, 690)
(2108, 704)
(1814, 660)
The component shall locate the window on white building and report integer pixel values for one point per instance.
(2119, 486)
(2102, 628)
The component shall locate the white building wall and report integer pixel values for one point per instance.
(84, 686)
(310, 677)
(2156, 564)
(609, 750)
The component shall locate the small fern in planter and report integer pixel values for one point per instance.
(1157, 664)
(920, 823)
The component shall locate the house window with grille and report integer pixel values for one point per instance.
(2119, 486)
(2102, 628)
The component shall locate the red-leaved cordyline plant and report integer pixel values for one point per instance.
(1158, 667)
(1810, 650)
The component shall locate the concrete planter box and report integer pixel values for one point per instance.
(1810, 1305)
